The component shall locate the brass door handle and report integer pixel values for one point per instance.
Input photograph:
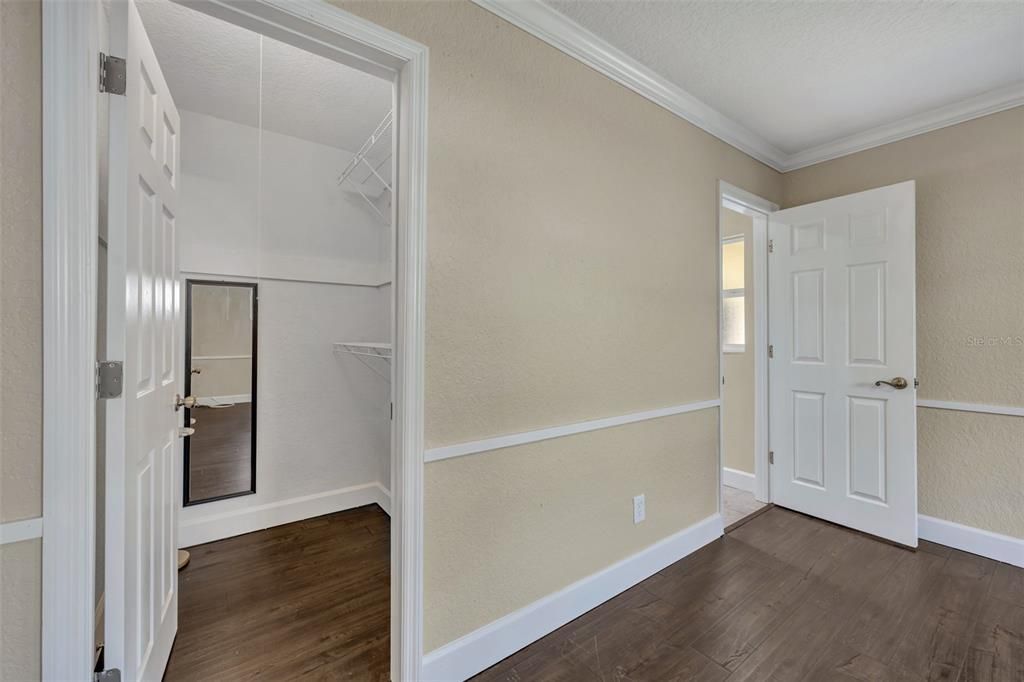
(188, 402)
(897, 382)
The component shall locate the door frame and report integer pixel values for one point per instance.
(70, 47)
(759, 208)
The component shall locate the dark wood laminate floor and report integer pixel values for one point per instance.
(220, 451)
(307, 600)
(789, 598)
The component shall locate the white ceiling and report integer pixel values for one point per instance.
(802, 74)
(213, 67)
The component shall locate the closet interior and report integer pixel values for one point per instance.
(284, 246)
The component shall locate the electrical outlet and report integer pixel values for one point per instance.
(639, 508)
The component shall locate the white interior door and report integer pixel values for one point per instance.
(841, 318)
(143, 446)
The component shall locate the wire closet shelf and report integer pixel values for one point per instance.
(363, 350)
(373, 188)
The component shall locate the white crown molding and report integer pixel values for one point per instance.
(989, 103)
(554, 28)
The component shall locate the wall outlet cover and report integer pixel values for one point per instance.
(639, 508)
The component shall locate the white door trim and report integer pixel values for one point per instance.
(758, 208)
(70, 235)
(70, 243)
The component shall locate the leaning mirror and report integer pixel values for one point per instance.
(220, 374)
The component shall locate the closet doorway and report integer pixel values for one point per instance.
(245, 147)
(743, 333)
(284, 182)
(221, 322)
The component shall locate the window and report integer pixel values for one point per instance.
(734, 333)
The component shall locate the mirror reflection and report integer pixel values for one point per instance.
(220, 370)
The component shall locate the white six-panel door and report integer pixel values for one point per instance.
(841, 318)
(143, 446)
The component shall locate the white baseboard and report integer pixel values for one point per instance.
(249, 519)
(482, 648)
(974, 540)
(741, 480)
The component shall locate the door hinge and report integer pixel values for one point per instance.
(723, 381)
(109, 379)
(771, 246)
(771, 351)
(916, 382)
(771, 457)
(112, 675)
(112, 74)
(392, 410)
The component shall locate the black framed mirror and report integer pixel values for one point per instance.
(220, 373)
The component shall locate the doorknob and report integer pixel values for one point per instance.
(897, 382)
(188, 403)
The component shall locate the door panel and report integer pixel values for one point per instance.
(841, 301)
(866, 309)
(808, 438)
(867, 448)
(808, 316)
(144, 320)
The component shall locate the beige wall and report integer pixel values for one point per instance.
(20, 333)
(572, 233)
(738, 368)
(20, 262)
(506, 528)
(20, 610)
(970, 279)
(571, 276)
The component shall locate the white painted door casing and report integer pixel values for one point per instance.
(842, 316)
(143, 447)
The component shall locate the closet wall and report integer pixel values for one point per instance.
(262, 206)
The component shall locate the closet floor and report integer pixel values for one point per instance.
(309, 599)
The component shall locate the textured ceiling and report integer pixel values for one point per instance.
(213, 67)
(804, 73)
